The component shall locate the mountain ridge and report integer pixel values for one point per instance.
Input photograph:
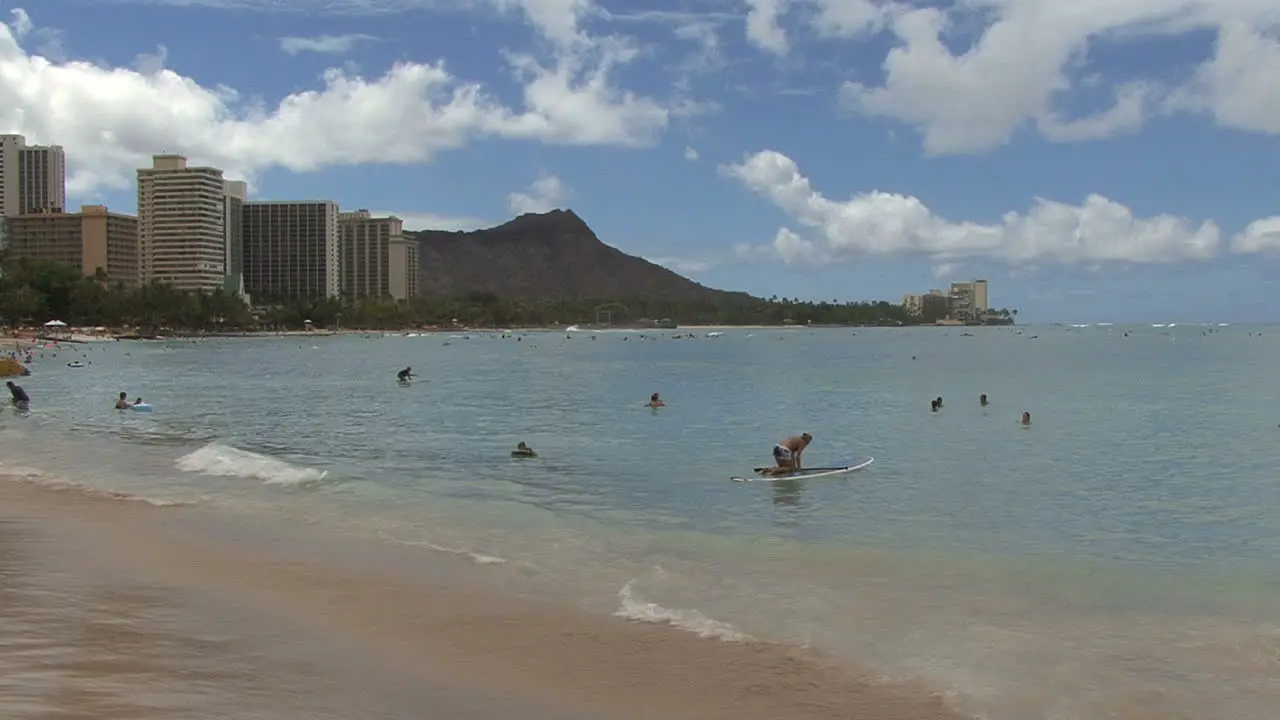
(547, 256)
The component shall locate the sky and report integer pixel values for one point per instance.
(1094, 160)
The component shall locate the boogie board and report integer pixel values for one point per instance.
(807, 473)
(141, 407)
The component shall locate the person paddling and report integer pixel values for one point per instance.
(405, 375)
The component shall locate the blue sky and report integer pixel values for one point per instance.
(1094, 161)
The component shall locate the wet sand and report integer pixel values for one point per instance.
(115, 609)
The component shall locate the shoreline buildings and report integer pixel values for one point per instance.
(963, 302)
(291, 249)
(182, 231)
(197, 231)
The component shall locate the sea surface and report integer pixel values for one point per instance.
(1119, 558)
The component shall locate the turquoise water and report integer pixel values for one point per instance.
(1118, 558)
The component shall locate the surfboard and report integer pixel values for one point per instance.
(808, 473)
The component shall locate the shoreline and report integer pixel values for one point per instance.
(441, 632)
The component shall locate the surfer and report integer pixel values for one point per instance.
(523, 450)
(787, 454)
(20, 399)
(404, 375)
(122, 403)
(655, 402)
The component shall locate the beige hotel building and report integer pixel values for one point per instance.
(90, 240)
(377, 259)
(182, 224)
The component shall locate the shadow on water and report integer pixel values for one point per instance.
(788, 492)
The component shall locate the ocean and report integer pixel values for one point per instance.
(1118, 558)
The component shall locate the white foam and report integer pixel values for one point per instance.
(226, 461)
(477, 558)
(632, 607)
(52, 482)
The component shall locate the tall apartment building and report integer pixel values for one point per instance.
(33, 178)
(375, 256)
(182, 224)
(403, 254)
(969, 300)
(91, 240)
(236, 194)
(291, 249)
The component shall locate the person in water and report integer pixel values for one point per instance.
(20, 399)
(122, 403)
(933, 405)
(655, 401)
(405, 375)
(787, 454)
(523, 450)
(1026, 418)
(982, 400)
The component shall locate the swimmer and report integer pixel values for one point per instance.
(655, 402)
(405, 375)
(982, 400)
(523, 450)
(1026, 419)
(122, 402)
(20, 399)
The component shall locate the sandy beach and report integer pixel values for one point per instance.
(118, 609)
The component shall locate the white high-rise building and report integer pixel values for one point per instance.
(182, 234)
(33, 178)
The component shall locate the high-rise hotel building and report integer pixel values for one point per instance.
(182, 224)
(377, 259)
(291, 250)
(33, 179)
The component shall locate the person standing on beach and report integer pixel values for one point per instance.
(20, 399)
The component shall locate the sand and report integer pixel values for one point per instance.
(116, 609)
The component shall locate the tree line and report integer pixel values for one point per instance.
(34, 292)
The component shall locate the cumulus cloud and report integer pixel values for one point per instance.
(112, 119)
(544, 194)
(434, 221)
(323, 44)
(690, 154)
(880, 223)
(1260, 236)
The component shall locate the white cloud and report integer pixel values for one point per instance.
(544, 194)
(21, 25)
(879, 223)
(690, 154)
(684, 266)
(1031, 54)
(112, 119)
(323, 44)
(762, 25)
(433, 221)
(1260, 236)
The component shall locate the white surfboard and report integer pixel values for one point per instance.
(807, 473)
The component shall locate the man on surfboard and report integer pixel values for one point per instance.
(786, 454)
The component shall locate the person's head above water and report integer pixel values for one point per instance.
(654, 397)
(1026, 418)
(8, 383)
(806, 438)
(522, 445)
(123, 395)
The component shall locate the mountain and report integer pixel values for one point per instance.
(547, 256)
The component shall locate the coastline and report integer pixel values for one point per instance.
(443, 635)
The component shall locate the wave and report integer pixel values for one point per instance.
(59, 484)
(632, 607)
(227, 461)
(477, 558)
